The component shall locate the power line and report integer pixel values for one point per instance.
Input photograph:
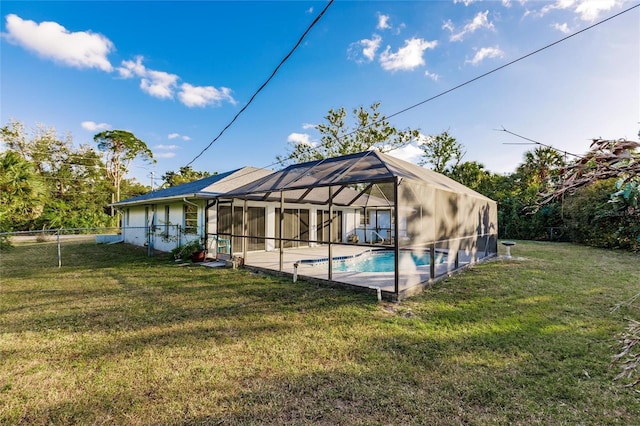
(534, 142)
(315, 21)
(482, 76)
(459, 85)
(512, 62)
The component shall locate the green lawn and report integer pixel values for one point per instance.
(114, 337)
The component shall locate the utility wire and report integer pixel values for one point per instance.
(315, 21)
(512, 62)
(466, 82)
(534, 142)
(482, 76)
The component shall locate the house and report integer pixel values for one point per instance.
(168, 218)
(367, 221)
(363, 220)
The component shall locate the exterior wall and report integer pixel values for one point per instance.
(350, 220)
(134, 231)
(147, 225)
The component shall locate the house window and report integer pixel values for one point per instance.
(166, 220)
(190, 219)
(230, 222)
(322, 228)
(365, 218)
(256, 228)
(296, 227)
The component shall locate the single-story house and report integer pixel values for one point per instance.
(168, 218)
(366, 220)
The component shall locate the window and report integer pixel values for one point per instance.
(166, 220)
(365, 218)
(296, 227)
(256, 228)
(230, 222)
(190, 219)
(322, 228)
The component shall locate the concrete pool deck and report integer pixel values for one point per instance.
(410, 275)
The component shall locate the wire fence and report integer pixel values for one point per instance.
(46, 246)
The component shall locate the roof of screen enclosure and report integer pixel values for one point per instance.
(351, 179)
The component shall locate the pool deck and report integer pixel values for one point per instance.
(410, 275)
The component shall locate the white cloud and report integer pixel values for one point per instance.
(162, 85)
(164, 155)
(480, 21)
(166, 147)
(484, 53)
(432, 76)
(466, 2)
(587, 10)
(51, 40)
(178, 135)
(411, 153)
(300, 138)
(408, 57)
(383, 22)
(506, 3)
(92, 126)
(158, 84)
(366, 48)
(130, 69)
(200, 96)
(448, 25)
(307, 126)
(563, 28)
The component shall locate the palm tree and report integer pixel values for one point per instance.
(21, 191)
(540, 165)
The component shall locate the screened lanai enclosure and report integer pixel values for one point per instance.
(368, 221)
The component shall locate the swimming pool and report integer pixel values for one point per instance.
(381, 261)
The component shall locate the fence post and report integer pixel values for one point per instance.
(59, 251)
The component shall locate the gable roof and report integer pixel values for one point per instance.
(205, 188)
(337, 172)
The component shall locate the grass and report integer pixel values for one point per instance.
(114, 337)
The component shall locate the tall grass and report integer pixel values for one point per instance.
(115, 337)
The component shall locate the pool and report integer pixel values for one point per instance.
(381, 261)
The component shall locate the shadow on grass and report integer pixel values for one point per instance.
(476, 350)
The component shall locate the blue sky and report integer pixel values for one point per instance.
(175, 73)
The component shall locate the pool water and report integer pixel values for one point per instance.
(383, 261)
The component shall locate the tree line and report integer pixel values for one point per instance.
(592, 199)
(47, 182)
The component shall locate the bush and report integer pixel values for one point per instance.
(591, 218)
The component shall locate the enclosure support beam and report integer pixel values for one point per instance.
(231, 233)
(245, 226)
(330, 269)
(360, 194)
(280, 230)
(396, 246)
(432, 262)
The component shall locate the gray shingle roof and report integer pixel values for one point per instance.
(205, 188)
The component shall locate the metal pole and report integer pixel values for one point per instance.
(432, 261)
(59, 251)
(280, 231)
(396, 240)
(330, 271)
(245, 242)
